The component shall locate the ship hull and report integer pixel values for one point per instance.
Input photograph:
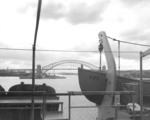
(90, 80)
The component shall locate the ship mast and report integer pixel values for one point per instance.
(33, 57)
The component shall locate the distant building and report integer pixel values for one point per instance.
(103, 68)
(39, 71)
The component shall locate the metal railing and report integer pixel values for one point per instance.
(116, 106)
(22, 100)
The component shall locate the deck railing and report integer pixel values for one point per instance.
(22, 101)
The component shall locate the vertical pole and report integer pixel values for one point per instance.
(141, 86)
(100, 62)
(119, 57)
(69, 106)
(33, 58)
(81, 66)
(116, 112)
(133, 109)
(100, 48)
(44, 102)
(33, 84)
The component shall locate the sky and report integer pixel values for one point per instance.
(73, 25)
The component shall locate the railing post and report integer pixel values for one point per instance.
(69, 106)
(116, 112)
(141, 85)
(44, 101)
(133, 110)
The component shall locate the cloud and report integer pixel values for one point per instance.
(26, 5)
(131, 51)
(137, 35)
(131, 3)
(19, 58)
(77, 13)
(23, 59)
(83, 13)
(52, 11)
(137, 30)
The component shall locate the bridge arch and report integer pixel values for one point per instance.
(55, 64)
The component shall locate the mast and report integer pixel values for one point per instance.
(33, 57)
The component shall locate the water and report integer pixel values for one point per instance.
(61, 86)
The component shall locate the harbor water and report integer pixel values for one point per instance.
(78, 111)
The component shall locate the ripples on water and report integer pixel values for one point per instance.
(61, 86)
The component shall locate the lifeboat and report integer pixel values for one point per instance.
(95, 80)
(91, 80)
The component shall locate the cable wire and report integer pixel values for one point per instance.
(42, 50)
(128, 42)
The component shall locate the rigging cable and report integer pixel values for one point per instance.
(19, 49)
(48, 50)
(128, 42)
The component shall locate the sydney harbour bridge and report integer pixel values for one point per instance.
(65, 65)
(70, 65)
(59, 65)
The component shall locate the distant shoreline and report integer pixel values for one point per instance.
(44, 77)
